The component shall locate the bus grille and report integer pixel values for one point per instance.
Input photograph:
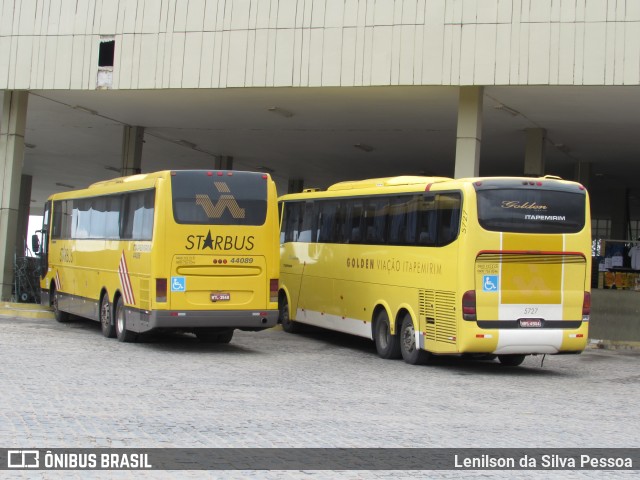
(145, 299)
(438, 312)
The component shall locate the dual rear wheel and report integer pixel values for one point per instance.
(402, 344)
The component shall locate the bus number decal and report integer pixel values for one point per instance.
(241, 260)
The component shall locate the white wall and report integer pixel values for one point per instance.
(53, 44)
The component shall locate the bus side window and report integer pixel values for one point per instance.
(427, 218)
(308, 224)
(448, 217)
(292, 221)
(397, 220)
(327, 221)
(138, 215)
(354, 224)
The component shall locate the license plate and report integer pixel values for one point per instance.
(220, 297)
(531, 322)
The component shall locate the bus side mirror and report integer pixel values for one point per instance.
(35, 243)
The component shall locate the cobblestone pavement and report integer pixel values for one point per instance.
(65, 385)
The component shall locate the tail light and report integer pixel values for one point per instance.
(586, 307)
(469, 305)
(273, 290)
(161, 289)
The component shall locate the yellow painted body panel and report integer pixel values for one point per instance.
(547, 279)
(241, 261)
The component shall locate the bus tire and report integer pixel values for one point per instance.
(214, 335)
(411, 353)
(288, 325)
(387, 345)
(122, 333)
(106, 319)
(59, 315)
(511, 360)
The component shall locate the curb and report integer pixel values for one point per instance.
(614, 345)
(25, 310)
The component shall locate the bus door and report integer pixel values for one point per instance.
(43, 252)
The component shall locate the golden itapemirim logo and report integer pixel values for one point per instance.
(522, 205)
(226, 201)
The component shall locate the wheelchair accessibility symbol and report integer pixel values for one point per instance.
(178, 284)
(490, 283)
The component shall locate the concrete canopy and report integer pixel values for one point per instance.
(74, 137)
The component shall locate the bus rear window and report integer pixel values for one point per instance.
(201, 199)
(531, 210)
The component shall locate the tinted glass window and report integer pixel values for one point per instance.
(138, 215)
(448, 217)
(238, 199)
(62, 214)
(327, 218)
(531, 210)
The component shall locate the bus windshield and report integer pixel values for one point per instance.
(235, 198)
(531, 210)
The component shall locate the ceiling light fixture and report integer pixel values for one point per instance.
(364, 147)
(186, 143)
(29, 145)
(509, 110)
(66, 185)
(280, 111)
(85, 109)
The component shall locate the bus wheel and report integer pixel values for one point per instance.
(60, 316)
(214, 335)
(387, 345)
(108, 328)
(511, 360)
(122, 333)
(411, 353)
(288, 325)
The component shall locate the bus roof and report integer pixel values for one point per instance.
(408, 182)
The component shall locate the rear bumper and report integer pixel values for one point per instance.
(500, 324)
(140, 321)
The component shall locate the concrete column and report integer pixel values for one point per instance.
(12, 130)
(223, 162)
(22, 242)
(469, 136)
(618, 201)
(295, 185)
(583, 173)
(132, 140)
(534, 152)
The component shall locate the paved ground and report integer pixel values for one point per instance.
(65, 385)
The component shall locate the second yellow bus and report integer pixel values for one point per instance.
(431, 265)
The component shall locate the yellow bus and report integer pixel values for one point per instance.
(190, 250)
(430, 265)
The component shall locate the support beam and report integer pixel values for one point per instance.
(12, 131)
(22, 242)
(583, 173)
(618, 201)
(132, 140)
(469, 136)
(295, 185)
(534, 152)
(223, 162)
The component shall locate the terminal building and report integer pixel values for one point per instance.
(319, 91)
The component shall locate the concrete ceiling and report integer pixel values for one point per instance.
(75, 137)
